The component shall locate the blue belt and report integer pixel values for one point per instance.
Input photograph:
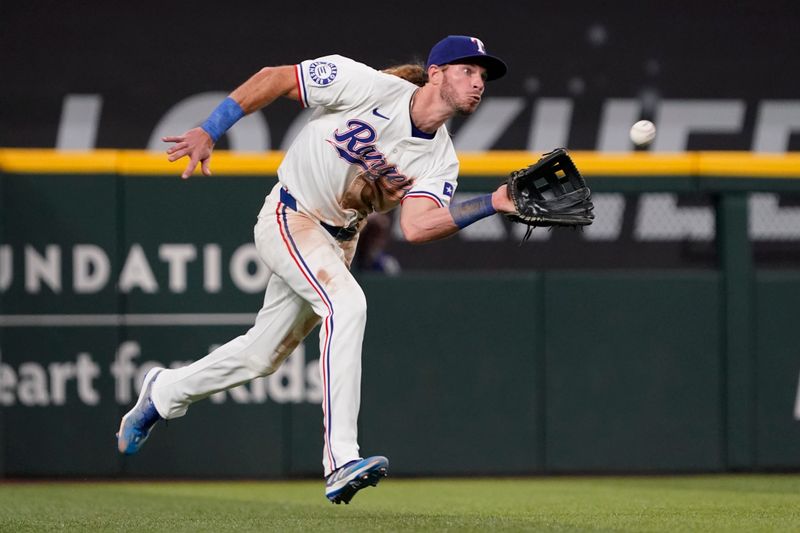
(338, 233)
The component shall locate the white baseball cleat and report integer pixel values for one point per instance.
(137, 423)
(345, 481)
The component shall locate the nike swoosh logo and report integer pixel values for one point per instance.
(377, 114)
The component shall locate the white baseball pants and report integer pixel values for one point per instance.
(310, 280)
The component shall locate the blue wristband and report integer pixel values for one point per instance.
(222, 118)
(465, 213)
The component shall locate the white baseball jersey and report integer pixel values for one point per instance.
(362, 127)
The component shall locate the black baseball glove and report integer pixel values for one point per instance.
(551, 193)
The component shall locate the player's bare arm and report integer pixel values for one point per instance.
(422, 221)
(263, 88)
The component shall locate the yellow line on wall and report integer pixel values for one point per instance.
(496, 163)
(33, 160)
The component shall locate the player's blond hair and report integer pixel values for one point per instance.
(413, 72)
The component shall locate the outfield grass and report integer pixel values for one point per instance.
(691, 503)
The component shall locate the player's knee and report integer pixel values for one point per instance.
(267, 370)
(263, 362)
(260, 366)
(354, 305)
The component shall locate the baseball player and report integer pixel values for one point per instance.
(374, 141)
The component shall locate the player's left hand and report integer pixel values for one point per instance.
(196, 144)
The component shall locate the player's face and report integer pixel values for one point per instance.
(462, 87)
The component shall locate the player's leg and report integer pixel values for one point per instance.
(317, 269)
(340, 341)
(282, 323)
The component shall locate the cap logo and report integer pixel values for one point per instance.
(478, 44)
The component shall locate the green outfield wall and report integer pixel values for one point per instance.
(107, 272)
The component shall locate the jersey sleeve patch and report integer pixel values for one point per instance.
(323, 72)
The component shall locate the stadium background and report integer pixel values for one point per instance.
(660, 340)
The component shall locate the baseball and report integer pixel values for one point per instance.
(643, 132)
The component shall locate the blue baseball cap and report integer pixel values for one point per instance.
(466, 49)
